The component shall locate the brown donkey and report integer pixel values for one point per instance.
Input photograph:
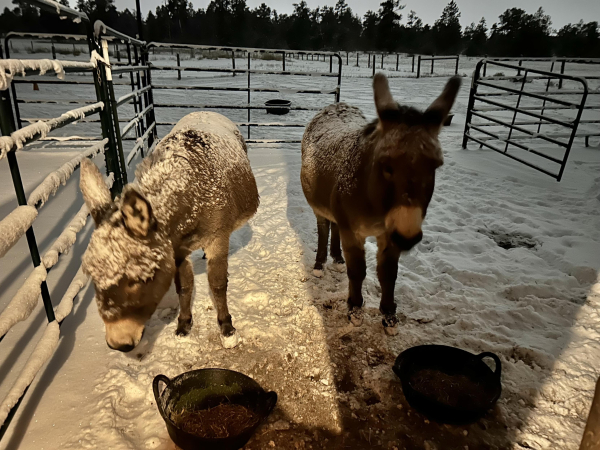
(191, 193)
(372, 179)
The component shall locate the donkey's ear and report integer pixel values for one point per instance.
(95, 193)
(438, 111)
(383, 97)
(137, 213)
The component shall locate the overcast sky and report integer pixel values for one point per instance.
(561, 11)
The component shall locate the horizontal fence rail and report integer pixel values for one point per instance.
(19, 136)
(433, 59)
(547, 140)
(250, 88)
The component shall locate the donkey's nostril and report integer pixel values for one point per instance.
(122, 348)
(404, 243)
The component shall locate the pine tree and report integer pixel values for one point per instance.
(447, 29)
(388, 25)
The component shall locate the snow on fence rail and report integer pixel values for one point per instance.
(11, 67)
(14, 226)
(20, 221)
(51, 183)
(23, 303)
(40, 129)
(25, 300)
(42, 353)
(139, 145)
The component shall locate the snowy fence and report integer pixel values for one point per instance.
(246, 85)
(535, 121)
(18, 137)
(404, 62)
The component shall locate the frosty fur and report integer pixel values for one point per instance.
(191, 193)
(372, 179)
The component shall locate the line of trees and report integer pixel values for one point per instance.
(232, 22)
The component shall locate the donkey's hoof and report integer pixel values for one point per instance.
(183, 327)
(390, 324)
(339, 266)
(231, 341)
(356, 316)
(318, 273)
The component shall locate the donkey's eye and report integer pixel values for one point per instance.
(388, 171)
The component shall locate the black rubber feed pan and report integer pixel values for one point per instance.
(447, 384)
(279, 107)
(208, 388)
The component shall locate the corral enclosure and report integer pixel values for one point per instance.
(472, 282)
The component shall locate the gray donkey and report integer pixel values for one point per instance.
(191, 193)
(372, 179)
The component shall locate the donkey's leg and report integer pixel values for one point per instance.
(356, 267)
(335, 249)
(184, 285)
(387, 272)
(216, 253)
(323, 232)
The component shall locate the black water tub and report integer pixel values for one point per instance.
(447, 384)
(207, 388)
(278, 107)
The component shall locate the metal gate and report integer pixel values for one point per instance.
(526, 116)
(244, 79)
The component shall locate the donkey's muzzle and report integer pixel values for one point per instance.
(403, 243)
(122, 348)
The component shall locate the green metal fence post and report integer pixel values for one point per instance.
(7, 125)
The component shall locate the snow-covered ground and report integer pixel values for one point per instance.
(535, 307)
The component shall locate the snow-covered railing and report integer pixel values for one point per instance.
(40, 355)
(24, 67)
(16, 136)
(139, 145)
(26, 298)
(133, 122)
(63, 11)
(14, 226)
(40, 129)
(60, 176)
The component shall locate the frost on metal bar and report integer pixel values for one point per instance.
(65, 306)
(6, 145)
(133, 122)
(53, 181)
(41, 128)
(67, 238)
(151, 149)
(11, 67)
(24, 301)
(139, 144)
(14, 226)
(41, 354)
